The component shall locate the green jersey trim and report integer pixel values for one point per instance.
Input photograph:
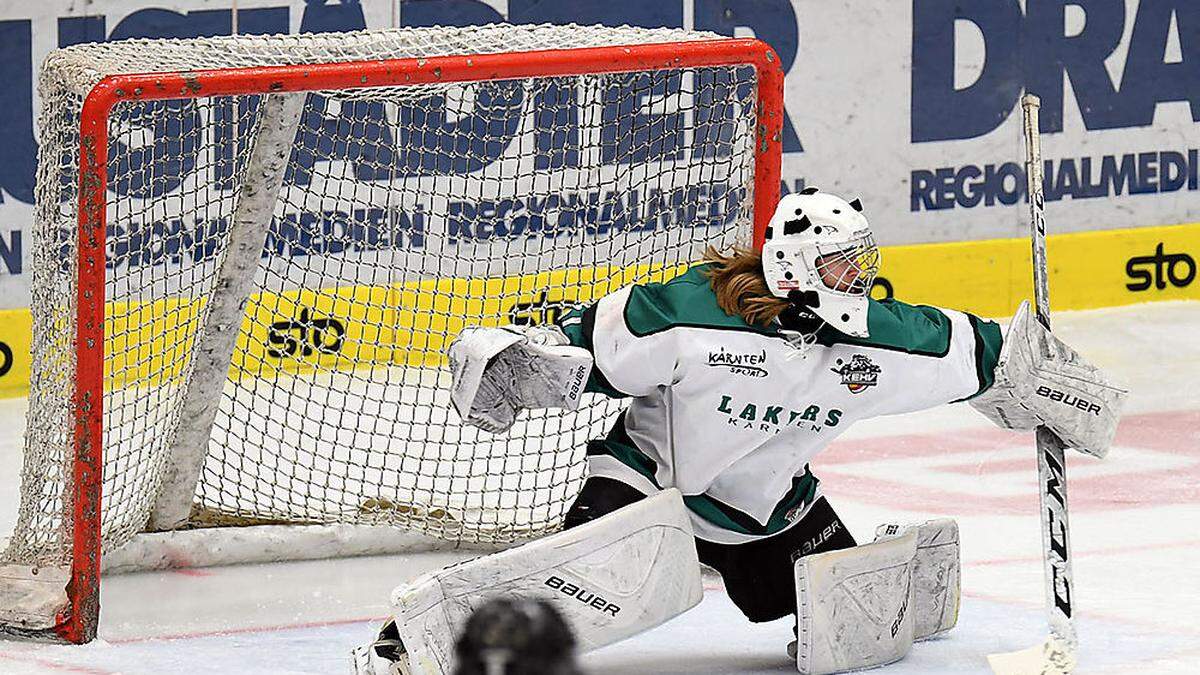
(803, 492)
(620, 446)
(687, 301)
(579, 325)
(988, 341)
(898, 326)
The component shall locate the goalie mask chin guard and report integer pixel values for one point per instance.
(820, 247)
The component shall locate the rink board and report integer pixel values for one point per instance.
(411, 324)
(353, 327)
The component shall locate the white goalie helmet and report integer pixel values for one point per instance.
(820, 254)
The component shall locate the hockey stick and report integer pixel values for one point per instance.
(1056, 656)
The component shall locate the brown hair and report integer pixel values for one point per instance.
(738, 281)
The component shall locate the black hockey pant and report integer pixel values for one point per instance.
(759, 575)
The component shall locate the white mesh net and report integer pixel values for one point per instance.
(406, 213)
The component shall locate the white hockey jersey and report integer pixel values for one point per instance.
(731, 413)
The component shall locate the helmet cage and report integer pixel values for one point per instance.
(847, 269)
(818, 253)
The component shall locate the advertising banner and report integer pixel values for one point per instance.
(912, 106)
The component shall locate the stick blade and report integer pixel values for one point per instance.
(1052, 657)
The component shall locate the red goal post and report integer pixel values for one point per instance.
(77, 622)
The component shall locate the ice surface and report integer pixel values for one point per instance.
(1133, 519)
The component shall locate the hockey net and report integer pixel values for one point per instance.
(252, 252)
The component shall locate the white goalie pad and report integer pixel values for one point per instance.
(497, 372)
(936, 575)
(614, 577)
(32, 600)
(853, 606)
(1041, 380)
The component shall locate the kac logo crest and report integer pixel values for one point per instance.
(858, 374)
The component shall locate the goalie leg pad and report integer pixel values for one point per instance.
(853, 606)
(611, 578)
(936, 579)
(384, 656)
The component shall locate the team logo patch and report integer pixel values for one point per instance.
(859, 374)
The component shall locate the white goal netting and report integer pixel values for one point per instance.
(406, 212)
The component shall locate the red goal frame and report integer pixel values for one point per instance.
(78, 623)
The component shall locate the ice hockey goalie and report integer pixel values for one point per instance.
(738, 373)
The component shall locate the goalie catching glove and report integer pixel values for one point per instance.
(1040, 380)
(497, 372)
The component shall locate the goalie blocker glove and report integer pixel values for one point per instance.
(1040, 380)
(497, 372)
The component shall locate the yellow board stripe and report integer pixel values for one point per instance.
(1087, 270)
(15, 340)
(347, 328)
(410, 324)
(407, 324)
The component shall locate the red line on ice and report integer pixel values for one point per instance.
(1089, 613)
(244, 630)
(1176, 433)
(1124, 550)
(1004, 465)
(709, 585)
(55, 665)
